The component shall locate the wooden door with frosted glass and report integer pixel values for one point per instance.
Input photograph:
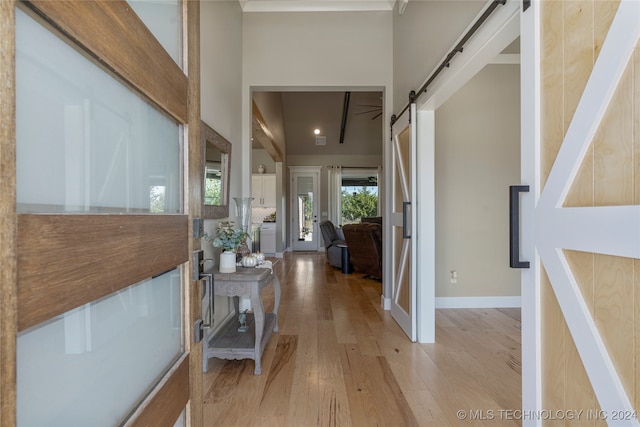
(61, 259)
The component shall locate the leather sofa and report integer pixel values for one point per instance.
(365, 248)
(332, 237)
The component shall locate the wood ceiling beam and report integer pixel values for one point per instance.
(262, 133)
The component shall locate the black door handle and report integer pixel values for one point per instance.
(405, 234)
(514, 226)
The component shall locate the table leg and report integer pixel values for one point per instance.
(236, 304)
(258, 313)
(346, 260)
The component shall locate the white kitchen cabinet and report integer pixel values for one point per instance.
(263, 190)
(268, 238)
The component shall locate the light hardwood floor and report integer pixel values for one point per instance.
(340, 360)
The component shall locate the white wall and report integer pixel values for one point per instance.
(322, 50)
(477, 158)
(317, 49)
(422, 37)
(259, 157)
(221, 89)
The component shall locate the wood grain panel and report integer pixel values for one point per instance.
(615, 185)
(578, 57)
(194, 205)
(554, 332)
(167, 400)
(582, 264)
(69, 260)
(552, 112)
(579, 394)
(614, 311)
(613, 148)
(606, 177)
(8, 219)
(552, 134)
(604, 12)
(112, 33)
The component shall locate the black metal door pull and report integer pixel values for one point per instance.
(514, 226)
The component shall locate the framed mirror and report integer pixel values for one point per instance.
(217, 159)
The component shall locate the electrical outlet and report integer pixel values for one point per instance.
(453, 276)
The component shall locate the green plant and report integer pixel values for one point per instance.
(357, 205)
(227, 236)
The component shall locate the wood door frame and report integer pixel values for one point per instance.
(8, 218)
(173, 92)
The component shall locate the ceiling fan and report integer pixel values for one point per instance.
(375, 109)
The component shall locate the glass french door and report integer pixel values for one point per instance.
(304, 208)
(403, 220)
(101, 215)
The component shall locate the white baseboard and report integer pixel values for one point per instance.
(478, 302)
(385, 303)
(279, 255)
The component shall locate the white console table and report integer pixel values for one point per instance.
(228, 343)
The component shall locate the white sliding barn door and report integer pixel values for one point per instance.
(403, 220)
(581, 149)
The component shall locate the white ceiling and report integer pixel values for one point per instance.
(316, 5)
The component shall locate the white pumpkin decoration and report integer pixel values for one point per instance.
(259, 256)
(249, 261)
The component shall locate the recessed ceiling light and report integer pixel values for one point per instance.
(317, 131)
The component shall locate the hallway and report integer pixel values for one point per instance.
(340, 360)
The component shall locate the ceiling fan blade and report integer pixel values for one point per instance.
(367, 105)
(376, 116)
(366, 112)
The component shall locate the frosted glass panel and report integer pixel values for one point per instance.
(86, 142)
(91, 365)
(163, 18)
(181, 421)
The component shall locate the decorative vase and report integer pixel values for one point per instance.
(243, 212)
(260, 168)
(227, 262)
